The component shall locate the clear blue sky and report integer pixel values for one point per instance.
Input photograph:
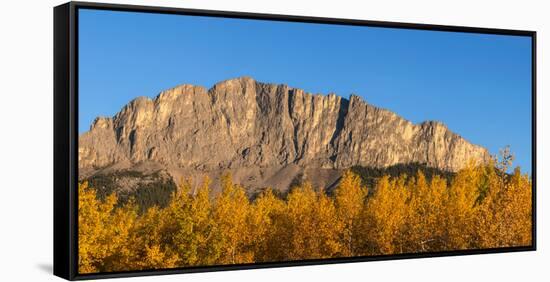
(478, 85)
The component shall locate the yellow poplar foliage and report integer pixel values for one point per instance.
(481, 207)
(103, 232)
(230, 227)
(349, 199)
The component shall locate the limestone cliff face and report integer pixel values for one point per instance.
(244, 123)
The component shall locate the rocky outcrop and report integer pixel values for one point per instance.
(242, 123)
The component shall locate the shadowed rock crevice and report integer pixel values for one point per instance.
(342, 112)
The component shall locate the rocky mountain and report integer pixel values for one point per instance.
(266, 134)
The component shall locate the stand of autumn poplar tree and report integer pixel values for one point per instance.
(481, 207)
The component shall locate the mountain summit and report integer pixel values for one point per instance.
(262, 129)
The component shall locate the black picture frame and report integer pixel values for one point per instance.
(66, 135)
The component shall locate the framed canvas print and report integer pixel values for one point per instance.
(193, 140)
